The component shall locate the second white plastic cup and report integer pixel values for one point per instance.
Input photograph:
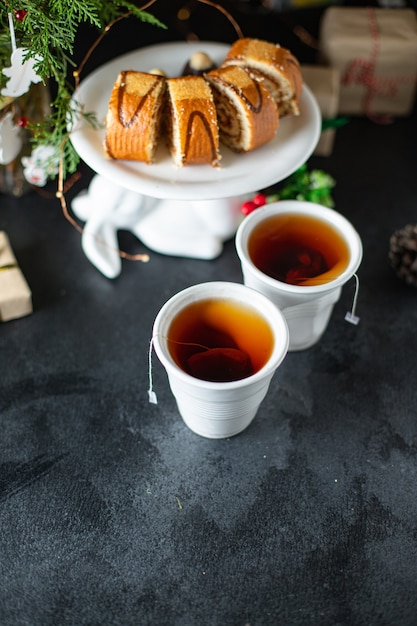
(307, 309)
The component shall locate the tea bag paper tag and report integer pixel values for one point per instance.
(152, 397)
(151, 394)
(352, 319)
(350, 315)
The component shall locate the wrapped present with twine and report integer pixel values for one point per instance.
(375, 51)
(324, 82)
(15, 295)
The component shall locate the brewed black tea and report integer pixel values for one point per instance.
(298, 249)
(220, 340)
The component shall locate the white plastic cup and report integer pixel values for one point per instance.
(220, 409)
(307, 309)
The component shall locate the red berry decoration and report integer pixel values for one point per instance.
(250, 205)
(22, 122)
(247, 207)
(259, 199)
(20, 15)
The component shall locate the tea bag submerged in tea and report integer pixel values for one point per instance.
(220, 364)
(298, 249)
(220, 340)
(304, 263)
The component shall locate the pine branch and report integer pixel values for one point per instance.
(48, 31)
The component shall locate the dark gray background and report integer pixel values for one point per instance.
(112, 512)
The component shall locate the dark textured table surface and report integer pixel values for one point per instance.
(112, 512)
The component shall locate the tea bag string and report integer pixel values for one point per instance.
(153, 399)
(351, 316)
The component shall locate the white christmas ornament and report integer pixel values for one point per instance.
(42, 164)
(10, 139)
(21, 74)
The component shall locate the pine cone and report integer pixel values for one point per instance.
(403, 253)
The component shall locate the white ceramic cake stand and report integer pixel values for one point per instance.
(189, 211)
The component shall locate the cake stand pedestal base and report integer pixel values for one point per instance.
(187, 228)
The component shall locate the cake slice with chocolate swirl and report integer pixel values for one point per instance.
(135, 116)
(193, 135)
(274, 66)
(247, 114)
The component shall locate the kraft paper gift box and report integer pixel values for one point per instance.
(15, 295)
(375, 51)
(324, 82)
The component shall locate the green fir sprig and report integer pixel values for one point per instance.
(48, 30)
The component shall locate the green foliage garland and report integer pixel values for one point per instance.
(47, 30)
(309, 185)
